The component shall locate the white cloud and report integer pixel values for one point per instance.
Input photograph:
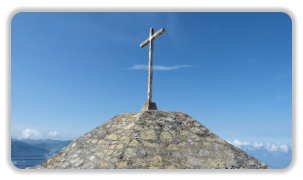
(238, 143)
(257, 145)
(160, 67)
(276, 147)
(30, 134)
(271, 147)
(284, 148)
(53, 133)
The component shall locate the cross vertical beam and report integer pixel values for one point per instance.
(150, 66)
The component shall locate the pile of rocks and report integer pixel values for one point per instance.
(151, 139)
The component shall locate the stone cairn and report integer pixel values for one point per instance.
(151, 139)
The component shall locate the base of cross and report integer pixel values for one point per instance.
(149, 106)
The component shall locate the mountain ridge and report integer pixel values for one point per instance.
(19, 147)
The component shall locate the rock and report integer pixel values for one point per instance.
(122, 165)
(157, 160)
(130, 153)
(184, 133)
(94, 141)
(148, 140)
(101, 164)
(119, 146)
(112, 137)
(166, 137)
(124, 138)
(149, 134)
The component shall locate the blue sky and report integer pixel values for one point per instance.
(232, 72)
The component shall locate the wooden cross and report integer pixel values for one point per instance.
(150, 40)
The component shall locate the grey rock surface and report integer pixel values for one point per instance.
(151, 139)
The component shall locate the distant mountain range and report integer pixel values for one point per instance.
(27, 153)
(52, 146)
(19, 148)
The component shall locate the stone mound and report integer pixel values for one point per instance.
(151, 139)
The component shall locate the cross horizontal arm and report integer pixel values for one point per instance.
(158, 33)
(144, 43)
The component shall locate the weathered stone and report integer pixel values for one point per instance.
(130, 126)
(49, 161)
(117, 153)
(150, 145)
(78, 163)
(111, 146)
(92, 158)
(75, 155)
(172, 147)
(183, 145)
(112, 137)
(203, 152)
(133, 143)
(184, 133)
(102, 164)
(148, 121)
(148, 135)
(157, 160)
(58, 158)
(94, 141)
(151, 139)
(73, 161)
(101, 141)
(171, 167)
(124, 138)
(73, 145)
(122, 164)
(138, 128)
(129, 152)
(109, 152)
(166, 137)
(119, 146)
